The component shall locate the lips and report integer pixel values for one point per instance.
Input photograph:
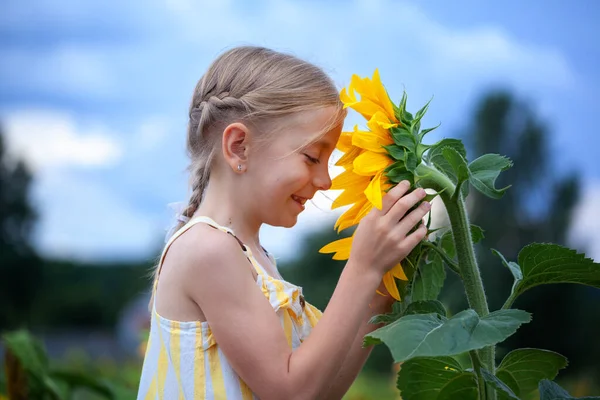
(299, 200)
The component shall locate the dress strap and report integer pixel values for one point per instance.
(209, 221)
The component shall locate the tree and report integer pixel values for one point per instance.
(20, 267)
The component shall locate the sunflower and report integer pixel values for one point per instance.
(365, 161)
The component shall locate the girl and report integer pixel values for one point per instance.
(225, 325)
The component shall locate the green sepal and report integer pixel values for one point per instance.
(426, 131)
(396, 152)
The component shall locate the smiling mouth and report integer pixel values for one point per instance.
(300, 200)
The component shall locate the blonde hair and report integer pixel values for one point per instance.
(257, 86)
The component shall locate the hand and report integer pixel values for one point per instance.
(382, 238)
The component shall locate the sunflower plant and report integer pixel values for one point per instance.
(432, 345)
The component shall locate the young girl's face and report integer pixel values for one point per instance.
(287, 172)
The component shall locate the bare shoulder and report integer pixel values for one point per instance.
(208, 258)
(203, 249)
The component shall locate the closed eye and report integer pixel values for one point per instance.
(312, 159)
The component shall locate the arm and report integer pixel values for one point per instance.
(216, 276)
(358, 355)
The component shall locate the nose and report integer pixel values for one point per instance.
(322, 180)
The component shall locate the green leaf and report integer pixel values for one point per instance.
(429, 280)
(501, 387)
(514, 269)
(431, 335)
(551, 391)
(458, 163)
(398, 309)
(434, 379)
(460, 167)
(80, 380)
(401, 308)
(425, 307)
(436, 148)
(484, 172)
(450, 164)
(544, 263)
(28, 350)
(522, 369)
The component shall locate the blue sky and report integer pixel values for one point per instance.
(94, 95)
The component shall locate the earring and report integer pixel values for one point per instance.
(239, 167)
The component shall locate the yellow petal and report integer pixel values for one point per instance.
(349, 180)
(367, 206)
(347, 98)
(349, 157)
(340, 247)
(348, 218)
(382, 96)
(371, 140)
(366, 108)
(390, 285)
(381, 122)
(373, 191)
(369, 163)
(347, 197)
(398, 272)
(344, 142)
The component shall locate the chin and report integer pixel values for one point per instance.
(284, 221)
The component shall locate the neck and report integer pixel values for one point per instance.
(230, 211)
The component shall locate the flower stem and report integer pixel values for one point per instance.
(467, 263)
(477, 369)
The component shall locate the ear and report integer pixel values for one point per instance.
(236, 137)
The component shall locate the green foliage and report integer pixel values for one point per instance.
(402, 308)
(523, 369)
(31, 376)
(501, 388)
(435, 378)
(485, 170)
(541, 263)
(432, 335)
(429, 279)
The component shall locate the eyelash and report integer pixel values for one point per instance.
(312, 159)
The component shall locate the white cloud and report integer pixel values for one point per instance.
(585, 231)
(53, 139)
(82, 219)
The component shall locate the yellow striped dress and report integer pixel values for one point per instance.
(183, 359)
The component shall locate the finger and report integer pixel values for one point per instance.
(412, 240)
(399, 209)
(414, 217)
(393, 196)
